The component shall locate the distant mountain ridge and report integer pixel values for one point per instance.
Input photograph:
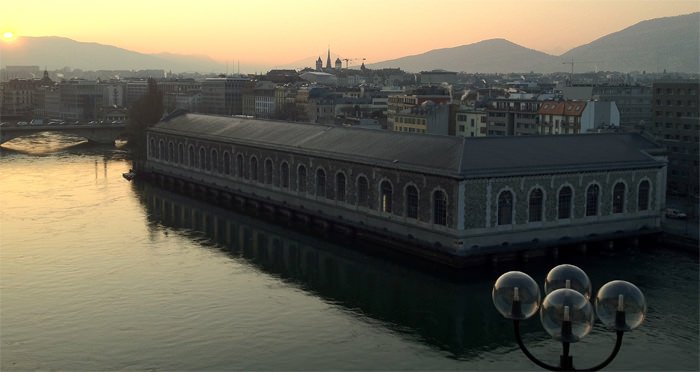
(670, 43)
(58, 52)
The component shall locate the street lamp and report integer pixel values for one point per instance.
(566, 312)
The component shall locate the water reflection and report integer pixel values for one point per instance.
(454, 314)
(457, 317)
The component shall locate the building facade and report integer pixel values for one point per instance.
(223, 95)
(676, 124)
(513, 116)
(470, 122)
(440, 194)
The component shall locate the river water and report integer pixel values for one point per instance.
(98, 273)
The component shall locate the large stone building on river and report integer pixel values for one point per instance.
(439, 196)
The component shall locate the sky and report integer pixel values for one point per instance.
(280, 32)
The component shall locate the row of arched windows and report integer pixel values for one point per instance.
(565, 204)
(250, 171)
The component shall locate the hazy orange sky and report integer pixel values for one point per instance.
(277, 32)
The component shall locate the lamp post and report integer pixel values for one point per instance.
(566, 312)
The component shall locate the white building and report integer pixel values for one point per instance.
(599, 115)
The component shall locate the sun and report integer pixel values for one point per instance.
(7, 35)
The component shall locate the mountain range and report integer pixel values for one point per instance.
(670, 43)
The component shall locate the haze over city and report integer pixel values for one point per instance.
(273, 33)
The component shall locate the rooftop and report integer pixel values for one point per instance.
(431, 154)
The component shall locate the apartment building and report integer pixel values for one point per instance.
(560, 117)
(516, 115)
(470, 122)
(676, 125)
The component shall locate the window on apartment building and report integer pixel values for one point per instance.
(411, 202)
(340, 186)
(320, 182)
(618, 201)
(180, 153)
(301, 178)
(385, 196)
(505, 208)
(268, 171)
(643, 195)
(253, 168)
(535, 204)
(592, 196)
(564, 203)
(461, 128)
(362, 191)
(439, 208)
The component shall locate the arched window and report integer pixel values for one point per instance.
(227, 163)
(439, 208)
(411, 202)
(385, 196)
(301, 178)
(153, 151)
(253, 168)
(362, 191)
(565, 199)
(161, 150)
(214, 161)
(268, 171)
(535, 205)
(643, 196)
(340, 186)
(618, 201)
(320, 182)
(171, 152)
(190, 156)
(592, 196)
(239, 165)
(181, 153)
(202, 158)
(505, 208)
(284, 175)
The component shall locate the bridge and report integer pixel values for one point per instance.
(103, 133)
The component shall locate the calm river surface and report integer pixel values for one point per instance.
(97, 273)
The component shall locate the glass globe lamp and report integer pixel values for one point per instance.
(516, 295)
(567, 315)
(620, 305)
(568, 276)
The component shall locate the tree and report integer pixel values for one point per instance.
(143, 114)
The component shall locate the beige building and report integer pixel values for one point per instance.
(470, 122)
(560, 117)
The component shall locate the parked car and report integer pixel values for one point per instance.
(675, 214)
(22, 123)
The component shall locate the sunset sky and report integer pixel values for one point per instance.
(277, 32)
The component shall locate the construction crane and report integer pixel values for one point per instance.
(571, 74)
(347, 61)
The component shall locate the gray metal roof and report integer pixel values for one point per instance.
(444, 155)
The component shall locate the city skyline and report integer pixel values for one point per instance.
(280, 33)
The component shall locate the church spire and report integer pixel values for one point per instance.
(328, 59)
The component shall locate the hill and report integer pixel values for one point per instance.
(495, 55)
(58, 52)
(670, 43)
